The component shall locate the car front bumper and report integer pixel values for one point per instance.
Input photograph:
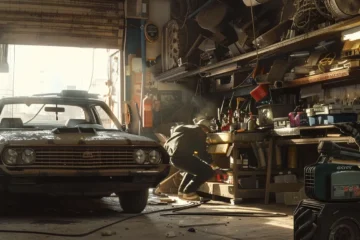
(84, 182)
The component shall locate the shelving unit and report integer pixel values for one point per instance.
(292, 136)
(238, 142)
(289, 45)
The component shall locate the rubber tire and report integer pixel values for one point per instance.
(351, 224)
(304, 224)
(134, 202)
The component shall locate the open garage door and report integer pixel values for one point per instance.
(77, 23)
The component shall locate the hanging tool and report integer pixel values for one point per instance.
(230, 111)
(237, 113)
(251, 123)
(227, 119)
(219, 121)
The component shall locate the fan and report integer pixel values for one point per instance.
(342, 9)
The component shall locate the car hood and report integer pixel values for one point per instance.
(48, 137)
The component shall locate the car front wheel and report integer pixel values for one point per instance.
(134, 201)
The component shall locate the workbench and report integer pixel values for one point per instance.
(293, 136)
(231, 145)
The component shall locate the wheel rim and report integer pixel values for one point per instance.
(343, 232)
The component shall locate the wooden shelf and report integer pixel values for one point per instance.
(288, 132)
(289, 45)
(336, 75)
(285, 187)
(304, 141)
(251, 172)
(228, 191)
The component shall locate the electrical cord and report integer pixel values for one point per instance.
(254, 33)
(321, 8)
(305, 10)
(227, 214)
(308, 13)
(327, 61)
(193, 205)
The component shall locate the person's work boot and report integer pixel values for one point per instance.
(180, 194)
(191, 196)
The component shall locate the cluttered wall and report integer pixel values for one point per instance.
(169, 103)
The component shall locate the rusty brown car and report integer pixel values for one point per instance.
(71, 144)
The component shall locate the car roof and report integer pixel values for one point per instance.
(50, 100)
(65, 97)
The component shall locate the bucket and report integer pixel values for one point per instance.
(260, 92)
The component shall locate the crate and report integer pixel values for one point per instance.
(294, 198)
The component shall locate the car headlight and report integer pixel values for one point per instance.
(154, 157)
(10, 157)
(28, 156)
(140, 156)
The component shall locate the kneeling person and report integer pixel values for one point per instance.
(186, 140)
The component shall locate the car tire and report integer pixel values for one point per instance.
(134, 202)
(305, 224)
(344, 229)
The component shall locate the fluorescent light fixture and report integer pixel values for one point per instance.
(351, 35)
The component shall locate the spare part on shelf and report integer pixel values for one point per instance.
(173, 44)
(352, 34)
(320, 6)
(178, 9)
(351, 49)
(282, 122)
(215, 18)
(274, 35)
(278, 70)
(310, 13)
(207, 45)
(224, 83)
(260, 92)
(212, 17)
(170, 45)
(240, 46)
(250, 3)
(267, 113)
(208, 57)
(343, 9)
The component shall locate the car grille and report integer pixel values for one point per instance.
(84, 157)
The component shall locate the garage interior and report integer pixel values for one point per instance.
(274, 77)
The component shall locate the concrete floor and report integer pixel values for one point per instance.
(80, 216)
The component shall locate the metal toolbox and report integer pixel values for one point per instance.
(267, 113)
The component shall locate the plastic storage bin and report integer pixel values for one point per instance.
(337, 118)
(293, 198)
(279, 179)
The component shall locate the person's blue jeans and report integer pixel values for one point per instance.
(197, 172)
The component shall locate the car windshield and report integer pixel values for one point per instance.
(43, 115)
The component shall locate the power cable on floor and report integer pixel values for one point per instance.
(193, 205)
(227, 214)
(175, 213)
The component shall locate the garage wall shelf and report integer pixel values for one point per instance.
(289, 45)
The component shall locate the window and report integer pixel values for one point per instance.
(106, 121)
(36, 114)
